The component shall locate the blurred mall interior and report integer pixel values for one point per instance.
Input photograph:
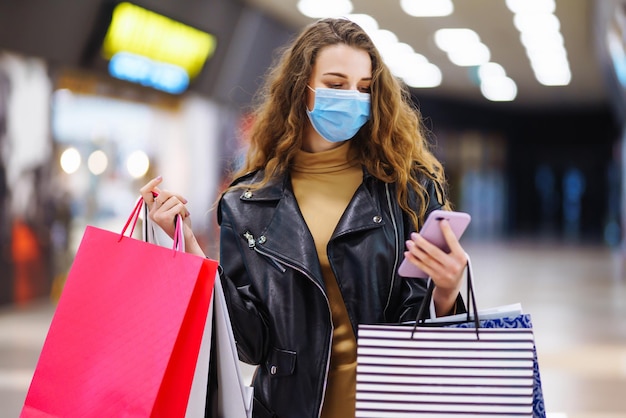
(80, 133)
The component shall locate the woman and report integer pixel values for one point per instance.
(316, 223)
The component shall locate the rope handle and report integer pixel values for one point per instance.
(471, 300)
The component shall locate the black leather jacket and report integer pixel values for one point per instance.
(275, 291)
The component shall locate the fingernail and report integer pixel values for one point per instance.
(159, 178)
(414, 235)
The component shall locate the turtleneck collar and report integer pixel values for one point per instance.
(332, 160)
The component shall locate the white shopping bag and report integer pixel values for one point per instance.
(234, 396)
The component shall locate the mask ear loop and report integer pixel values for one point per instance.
(314, 92)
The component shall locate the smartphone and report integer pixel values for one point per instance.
(431, 231)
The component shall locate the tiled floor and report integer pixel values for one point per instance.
(576, 295)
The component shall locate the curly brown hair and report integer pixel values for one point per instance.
(392, 145)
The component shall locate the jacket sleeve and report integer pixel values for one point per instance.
(413, 290)
(249, 321)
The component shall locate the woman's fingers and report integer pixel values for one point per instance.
(149, 190)
(445, 269)
(423, 254)
(164, 196)
(163, 205)
(450, 237)
(170, 207)
(164, 208)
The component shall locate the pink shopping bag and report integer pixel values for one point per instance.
(125, 337)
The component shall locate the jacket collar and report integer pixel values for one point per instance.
(363, 211)
(285, 234)
(273, 190)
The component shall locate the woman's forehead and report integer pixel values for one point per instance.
(343, 59)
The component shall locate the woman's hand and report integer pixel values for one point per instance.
(445, 269)
(163, 208)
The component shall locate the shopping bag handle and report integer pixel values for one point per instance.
(471, 301)
(179, 240)
(134, 215)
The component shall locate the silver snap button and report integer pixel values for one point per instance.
(247, 194)
(377, 219)
(273, 370)
(262, 239)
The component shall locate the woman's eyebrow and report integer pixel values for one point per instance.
(336, 75)
(345, 76)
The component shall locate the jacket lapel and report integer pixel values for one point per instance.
(362, 213)
(284, 232)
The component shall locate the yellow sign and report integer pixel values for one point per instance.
(142, 32)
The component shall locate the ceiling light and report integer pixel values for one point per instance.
(97, 162)
(400, 57)
(137, 164)
(395, 55)
(490, 70)
(494, 84)
(553, 54)
(555, 79)
(552, 72)
(531, 6)
(541, 37)
(544, 22)
(425, 75)
(499, 89)
(463, 46)
(325, 8)
(383, 39)
(409, 65)
(454, 38)
(470, 55)
(427, 8)
(539, 40)
(70, 160)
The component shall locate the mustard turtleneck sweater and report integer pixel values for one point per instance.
(324, 183)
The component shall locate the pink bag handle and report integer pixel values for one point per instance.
(179, 240)
(134, 216)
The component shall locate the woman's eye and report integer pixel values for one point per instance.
(364, 89)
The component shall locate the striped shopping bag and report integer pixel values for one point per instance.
(444, 372)
(478, 364)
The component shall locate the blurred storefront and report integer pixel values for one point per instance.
(610, 19)
(25, 151)
(76, 148)
(89, 114)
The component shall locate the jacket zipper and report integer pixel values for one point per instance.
(279, 264)
(252, 245)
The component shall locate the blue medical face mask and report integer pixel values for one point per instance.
(338, 115)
